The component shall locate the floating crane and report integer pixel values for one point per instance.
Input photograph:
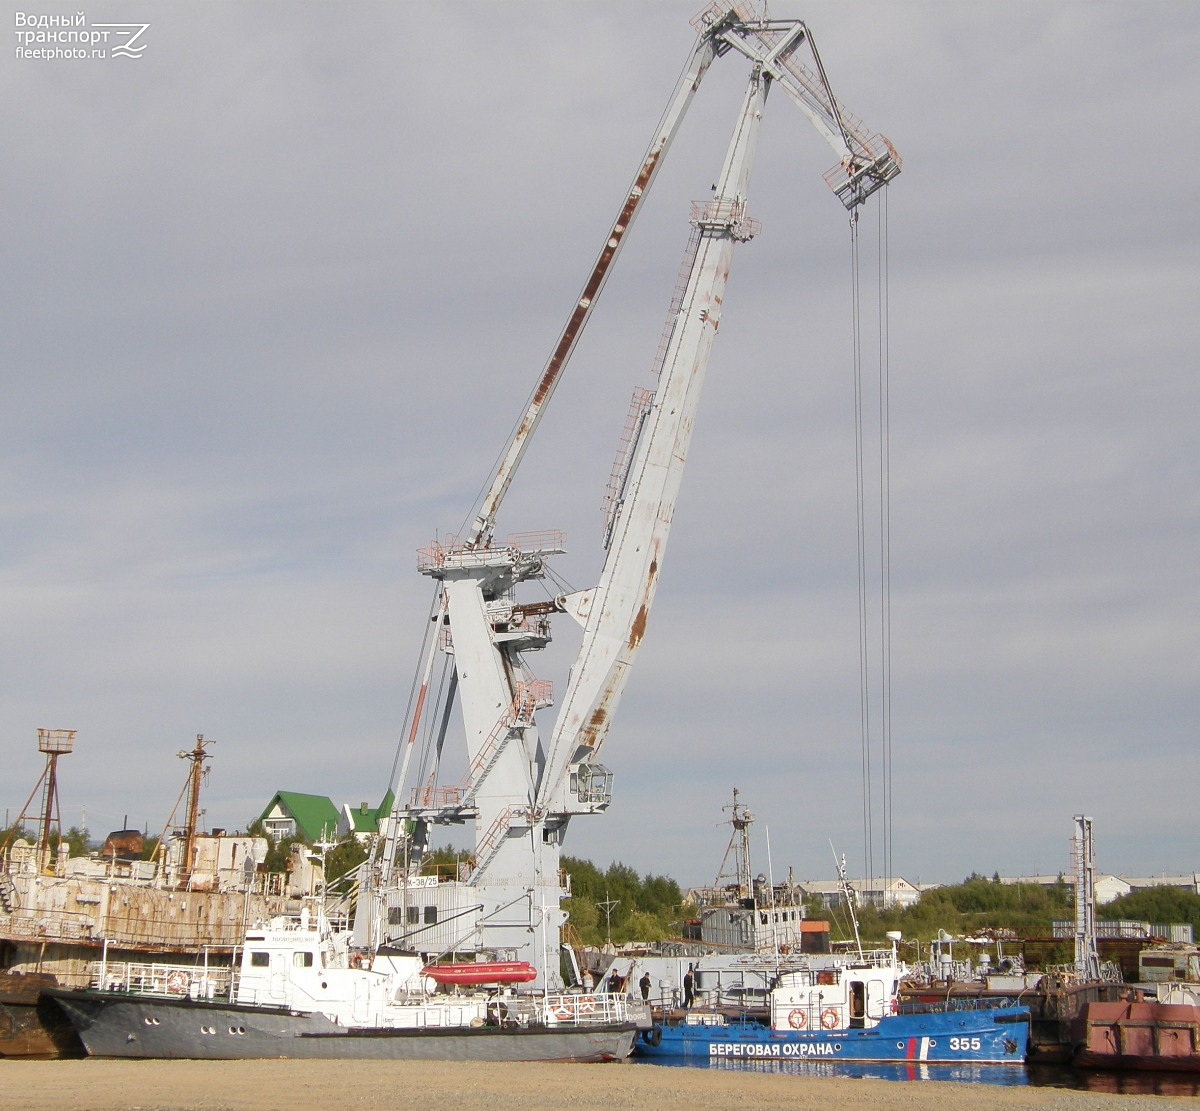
(522, 789)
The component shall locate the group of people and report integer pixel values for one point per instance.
(616, 983)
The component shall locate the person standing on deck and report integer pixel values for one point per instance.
(689, 986)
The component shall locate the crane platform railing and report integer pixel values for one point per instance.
(452, 552)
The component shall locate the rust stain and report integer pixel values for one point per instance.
(639, 628)
(579, 315)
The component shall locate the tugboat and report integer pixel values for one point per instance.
(847, 1008)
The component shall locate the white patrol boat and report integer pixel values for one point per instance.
(304, 991)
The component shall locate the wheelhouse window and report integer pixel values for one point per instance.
(260, 960)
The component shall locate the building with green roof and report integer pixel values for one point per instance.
(313, 817)
(363, 820)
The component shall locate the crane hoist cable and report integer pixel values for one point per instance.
(874, 693)
(885, 528)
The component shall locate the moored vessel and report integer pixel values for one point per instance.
(1159, 1035)
(79, 921)
(848, 1010)
(304, 991)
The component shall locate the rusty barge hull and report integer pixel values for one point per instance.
(30, 1024)
(1158, 1037)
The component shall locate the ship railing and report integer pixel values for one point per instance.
(586, 1009)
(960, 1003)
(136, 978)
(871, 957)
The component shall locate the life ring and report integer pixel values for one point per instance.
(797, 1019)
(562, 1011)
(653, 1036)
(177, 982)
(496, 1014)
(829, 1019)
(587, 1004)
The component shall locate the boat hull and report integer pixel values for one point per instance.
(1161, 1037)
(146, 1027)
(997, 1036)
(31, 1026)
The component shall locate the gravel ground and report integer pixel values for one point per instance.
(96, 1085)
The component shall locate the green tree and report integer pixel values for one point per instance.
(1158, 905)
(77, 841)
(278, 852)
(343, 858)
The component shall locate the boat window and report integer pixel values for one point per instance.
(395, 915)
(302, 960)
(260, 960)
(430, 916)
(414, 915)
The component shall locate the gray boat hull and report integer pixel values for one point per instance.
(111, 1025)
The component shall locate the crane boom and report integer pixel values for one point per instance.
(681, 98)
(614, 612)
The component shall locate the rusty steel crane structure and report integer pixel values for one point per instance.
(523, 787)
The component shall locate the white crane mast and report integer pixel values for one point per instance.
(519, 794)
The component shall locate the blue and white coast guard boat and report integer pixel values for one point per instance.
(846, 1010)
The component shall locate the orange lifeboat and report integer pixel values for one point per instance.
(471, 973)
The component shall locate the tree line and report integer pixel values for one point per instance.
(619, 905)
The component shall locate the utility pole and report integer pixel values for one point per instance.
(606, 904)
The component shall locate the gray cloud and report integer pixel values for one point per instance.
(276, 290)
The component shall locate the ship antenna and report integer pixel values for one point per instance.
(848, 894)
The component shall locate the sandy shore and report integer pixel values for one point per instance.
(324, 1085)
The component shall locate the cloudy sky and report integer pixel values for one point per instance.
(276, 290)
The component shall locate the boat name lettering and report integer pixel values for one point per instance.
(772, 1049)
